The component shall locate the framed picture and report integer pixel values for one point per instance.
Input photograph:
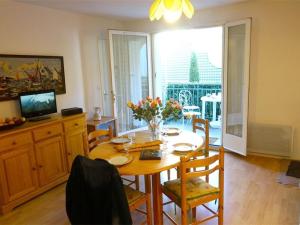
(19, 73)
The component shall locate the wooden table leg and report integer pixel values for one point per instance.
(157, 199)
(148, 205)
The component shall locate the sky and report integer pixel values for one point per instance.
(208, 40)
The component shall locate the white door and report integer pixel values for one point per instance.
(131, 75)
(236, 85)
(106, 86)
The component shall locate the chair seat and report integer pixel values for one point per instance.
(190, 113)
(191, 107)
(195, 188)
(132, 195)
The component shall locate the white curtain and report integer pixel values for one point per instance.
(131, 76)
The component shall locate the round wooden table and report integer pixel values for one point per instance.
(150, 167)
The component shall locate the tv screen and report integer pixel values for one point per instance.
(37, 103)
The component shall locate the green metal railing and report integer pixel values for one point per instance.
(197, 91)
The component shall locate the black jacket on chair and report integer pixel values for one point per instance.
(95, 194)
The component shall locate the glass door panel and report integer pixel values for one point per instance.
(236, 79)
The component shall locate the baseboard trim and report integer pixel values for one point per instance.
(268, 155)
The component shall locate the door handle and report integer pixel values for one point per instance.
(114, 96)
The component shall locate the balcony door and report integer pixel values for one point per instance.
(131, 75)
(236, 85)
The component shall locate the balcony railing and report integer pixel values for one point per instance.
(197, 91)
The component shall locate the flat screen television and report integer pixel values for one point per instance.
(37, 105)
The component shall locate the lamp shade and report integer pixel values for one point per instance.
(171, 10)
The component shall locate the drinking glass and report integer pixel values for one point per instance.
(131, 136)
(126, 148)
(164, 141)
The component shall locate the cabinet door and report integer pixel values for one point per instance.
(51, 160)
(18, 174)
(76, 144)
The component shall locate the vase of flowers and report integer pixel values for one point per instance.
(153, 112)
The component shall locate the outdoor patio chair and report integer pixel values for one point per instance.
(188, 110)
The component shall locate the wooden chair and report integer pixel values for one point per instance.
(99, 136)
(198, 124)
(203, 125)
(136, 198)
(190, 191)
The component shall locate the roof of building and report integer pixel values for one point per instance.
(176, 69)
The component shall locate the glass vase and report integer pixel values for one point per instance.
(153, 127)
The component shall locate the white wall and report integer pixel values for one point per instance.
(35, 30)
(274, 96)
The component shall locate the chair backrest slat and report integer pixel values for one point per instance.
(198, 128)
(98, 133)
(203, 125)
(202, 173)
(196, 153)
(202, 162)
(200, 120)
(98, 136)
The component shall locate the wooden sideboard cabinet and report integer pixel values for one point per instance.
(37, 156)
(76, 139)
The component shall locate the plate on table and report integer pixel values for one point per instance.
(120, 160)
(171, 131)
(120, 140)
(183, 147)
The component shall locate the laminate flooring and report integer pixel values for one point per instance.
(252, 197)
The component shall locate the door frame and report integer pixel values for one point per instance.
(154, 53)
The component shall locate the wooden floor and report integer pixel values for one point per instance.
(252, 196)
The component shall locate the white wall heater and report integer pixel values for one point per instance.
(270, 139)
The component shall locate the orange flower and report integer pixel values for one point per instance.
(148, 109)
(153, 104)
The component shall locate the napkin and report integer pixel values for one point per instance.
(139, 146)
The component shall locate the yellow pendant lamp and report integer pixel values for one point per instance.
(171, 10)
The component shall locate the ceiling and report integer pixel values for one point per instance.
(121, 9)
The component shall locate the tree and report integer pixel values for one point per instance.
(194, 71)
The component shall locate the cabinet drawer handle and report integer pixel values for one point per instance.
(49, 132)
(33, 168)
(14, 143)
(76, 124)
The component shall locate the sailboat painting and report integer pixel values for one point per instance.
(20, 73)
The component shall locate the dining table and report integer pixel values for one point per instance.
(170, 159)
